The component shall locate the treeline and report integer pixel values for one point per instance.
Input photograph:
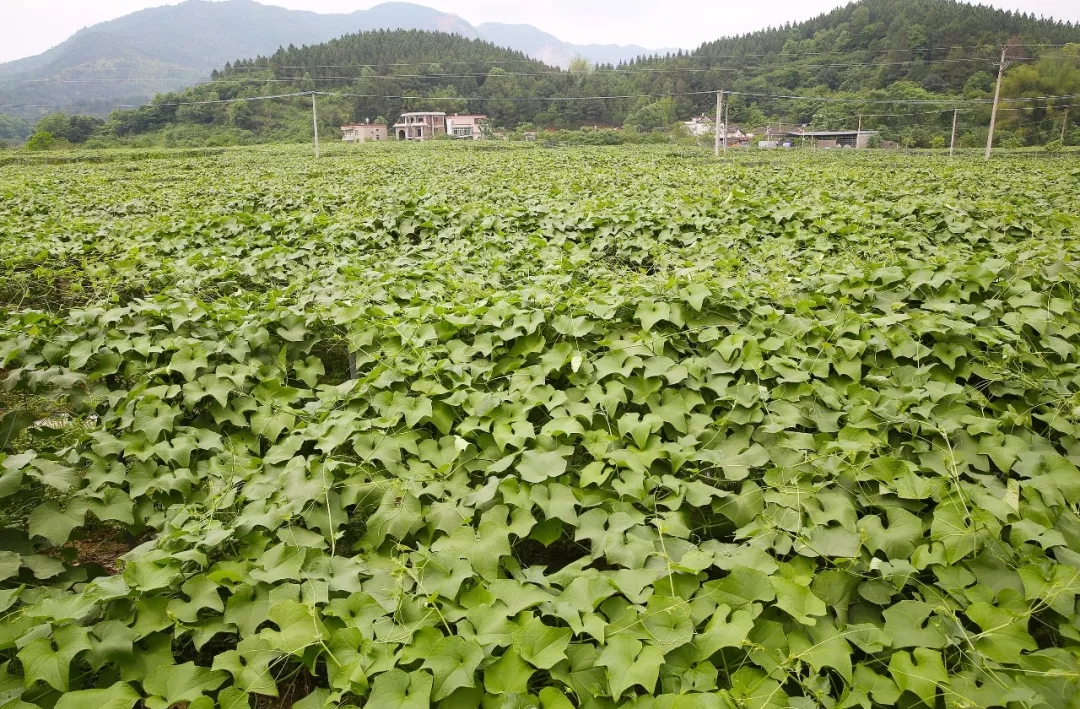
(879, 56)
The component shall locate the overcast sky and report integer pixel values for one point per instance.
(29, 27)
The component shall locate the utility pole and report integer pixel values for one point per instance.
(315, 122)
(858, 134)
(727, 107)
(719, 117)
(997, 97)
(952, 143)
(1064, 122)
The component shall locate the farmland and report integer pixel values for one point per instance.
(462, 426)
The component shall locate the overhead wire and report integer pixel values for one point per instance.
(655, 94)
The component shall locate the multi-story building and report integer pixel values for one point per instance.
(363, 132)
(471, 127)
(426, 125)
(420, 125)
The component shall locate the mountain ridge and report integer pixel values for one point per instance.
(131, 58)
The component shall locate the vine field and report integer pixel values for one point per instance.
(533, 428)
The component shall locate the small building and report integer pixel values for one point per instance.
(734, 136)
(699, 125)
(824, 139)
(837, 138)
(420, 125)
(471, 127)
(363, 132)
(840, 138)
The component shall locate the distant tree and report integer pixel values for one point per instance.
(74, 129)
(654, 116)
(13, 128)
(81, 128)
(979, 83)
(55, 124)
(41, 140)
(580, 65)
(241, 115)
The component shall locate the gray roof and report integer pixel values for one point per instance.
(830, 133)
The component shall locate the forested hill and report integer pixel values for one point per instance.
(372, 74)
(937, 44)
(869, 58)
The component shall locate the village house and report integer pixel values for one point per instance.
(735, 136)
(471, 127)
(420, 125)
(363, 132)
(699, 126)
(822, 139)
(426, 125)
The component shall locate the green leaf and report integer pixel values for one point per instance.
(9, 565)
(57, 476)
(173, 684)
(49, 659)
(536, 466)
(551, 698)
(12, 423)
(508, 675)
(400, 690)
(453, 661)
(11, 687)
(798, 601)
(541, 645)
(49, 521)
(628, 662)
(724, 629)
(249, 665)
(188, 361)
(298, 625)
(119, 696)
(1004, 635)
(922, 676)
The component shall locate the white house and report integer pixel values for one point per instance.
(699, 125)
(470, 127)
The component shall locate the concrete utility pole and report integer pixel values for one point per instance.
(997, 97)
(719, 118)
(727, 107)
(952, 143)
(858, 134)
(315, 122)
(1064, 123)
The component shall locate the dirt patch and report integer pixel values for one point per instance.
(102, 547)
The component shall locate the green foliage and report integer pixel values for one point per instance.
(41, 140)
(868, 53)
(658, 115)
(74, 129)
(615, 436)
(13, 128)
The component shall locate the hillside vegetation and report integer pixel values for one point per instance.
(875, 56)
(128, 60)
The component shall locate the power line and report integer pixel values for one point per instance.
(530, 99)
(653, 56)
(852, 99)
(485, 74)
(162, 105)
